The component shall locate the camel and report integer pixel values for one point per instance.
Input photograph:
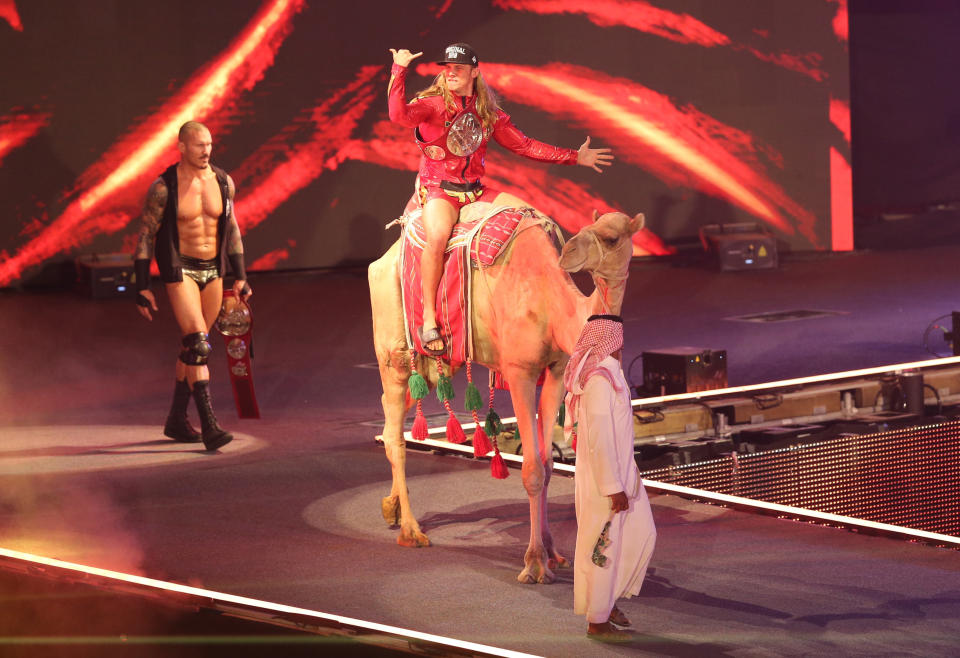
(527, 315)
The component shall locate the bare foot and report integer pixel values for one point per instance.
(607, 632)
(432, 339)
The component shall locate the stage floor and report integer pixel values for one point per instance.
(290, 511)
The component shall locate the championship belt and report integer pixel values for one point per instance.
(235, 322)
(462, 137)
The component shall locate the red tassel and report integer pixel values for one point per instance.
(573, 440)
(419, 429)
(481, 443)
(454, 431)
(498, 467)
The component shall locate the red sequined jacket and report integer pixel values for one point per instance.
(432, 122)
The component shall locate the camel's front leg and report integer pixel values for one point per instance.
(551, 397)
(396, 509)
(523, 394)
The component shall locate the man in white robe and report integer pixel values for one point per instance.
(608, 484)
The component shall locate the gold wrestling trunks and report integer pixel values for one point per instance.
(201, 271)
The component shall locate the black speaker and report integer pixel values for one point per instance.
(683, 370)
(741, 246)
(103, 276)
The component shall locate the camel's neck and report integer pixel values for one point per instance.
(608, 295)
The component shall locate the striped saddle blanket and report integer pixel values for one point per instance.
(480, 236)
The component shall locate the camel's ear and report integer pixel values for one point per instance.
(596, 215)
(637, 222)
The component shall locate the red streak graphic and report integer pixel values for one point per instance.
(841, 202)
(840, 116)
(636, 14)
(8, 12)
(121, 176)
(271, 260)
(442, 9)
(291, 168)
(644, 17)
(680, 146)
(841, 21)
(16, 129)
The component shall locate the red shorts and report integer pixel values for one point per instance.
(457, 199)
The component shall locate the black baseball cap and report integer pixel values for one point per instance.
(459, 53)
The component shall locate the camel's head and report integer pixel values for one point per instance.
(603, 248)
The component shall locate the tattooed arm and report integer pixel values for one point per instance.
(235, 248)
(149, 225)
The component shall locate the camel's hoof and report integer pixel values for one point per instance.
(536, 574)
(558, 562)
(415, 539)
(390, 508)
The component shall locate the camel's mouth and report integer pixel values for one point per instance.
(572, 260)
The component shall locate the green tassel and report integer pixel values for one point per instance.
(472, 401)
(444, 389)
(562, 415)
(418, 386)
(492, 426)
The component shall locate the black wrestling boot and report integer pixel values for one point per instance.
(178, 427)
(214, 436)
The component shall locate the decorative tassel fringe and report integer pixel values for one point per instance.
(418, 386)
(419, 429)
(492, 426)
(472, 400)
(454, 430)
(498, 467)
(444, 389)
(444, 385)
(573, 440)
(481, 442)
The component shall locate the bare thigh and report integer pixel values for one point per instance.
(187, 305)
(439, 216)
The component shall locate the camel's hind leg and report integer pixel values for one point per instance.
(551, 397)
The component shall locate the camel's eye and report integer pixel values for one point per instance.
(609, 241)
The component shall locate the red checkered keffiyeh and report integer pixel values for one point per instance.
(601, 337)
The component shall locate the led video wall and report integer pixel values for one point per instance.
(718, 111)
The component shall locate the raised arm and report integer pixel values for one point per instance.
(235, 248)
(406, 114)
(150, 220)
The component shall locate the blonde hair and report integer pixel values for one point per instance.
(486, 98)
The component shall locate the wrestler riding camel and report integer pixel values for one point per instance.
(453, 121)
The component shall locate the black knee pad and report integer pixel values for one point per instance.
(196, 349)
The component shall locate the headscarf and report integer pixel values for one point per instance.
(601, 336)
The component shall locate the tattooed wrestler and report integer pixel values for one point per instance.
(453, 121)
(188, 223)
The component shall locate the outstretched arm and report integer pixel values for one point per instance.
(512, 138)
(149, 225)
(235, 249)
(594, 158)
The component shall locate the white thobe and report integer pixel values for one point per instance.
(605, 466)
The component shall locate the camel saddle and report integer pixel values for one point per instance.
(477, 240)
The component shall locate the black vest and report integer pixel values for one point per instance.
(167, 249)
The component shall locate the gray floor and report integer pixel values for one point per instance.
(289, 512)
